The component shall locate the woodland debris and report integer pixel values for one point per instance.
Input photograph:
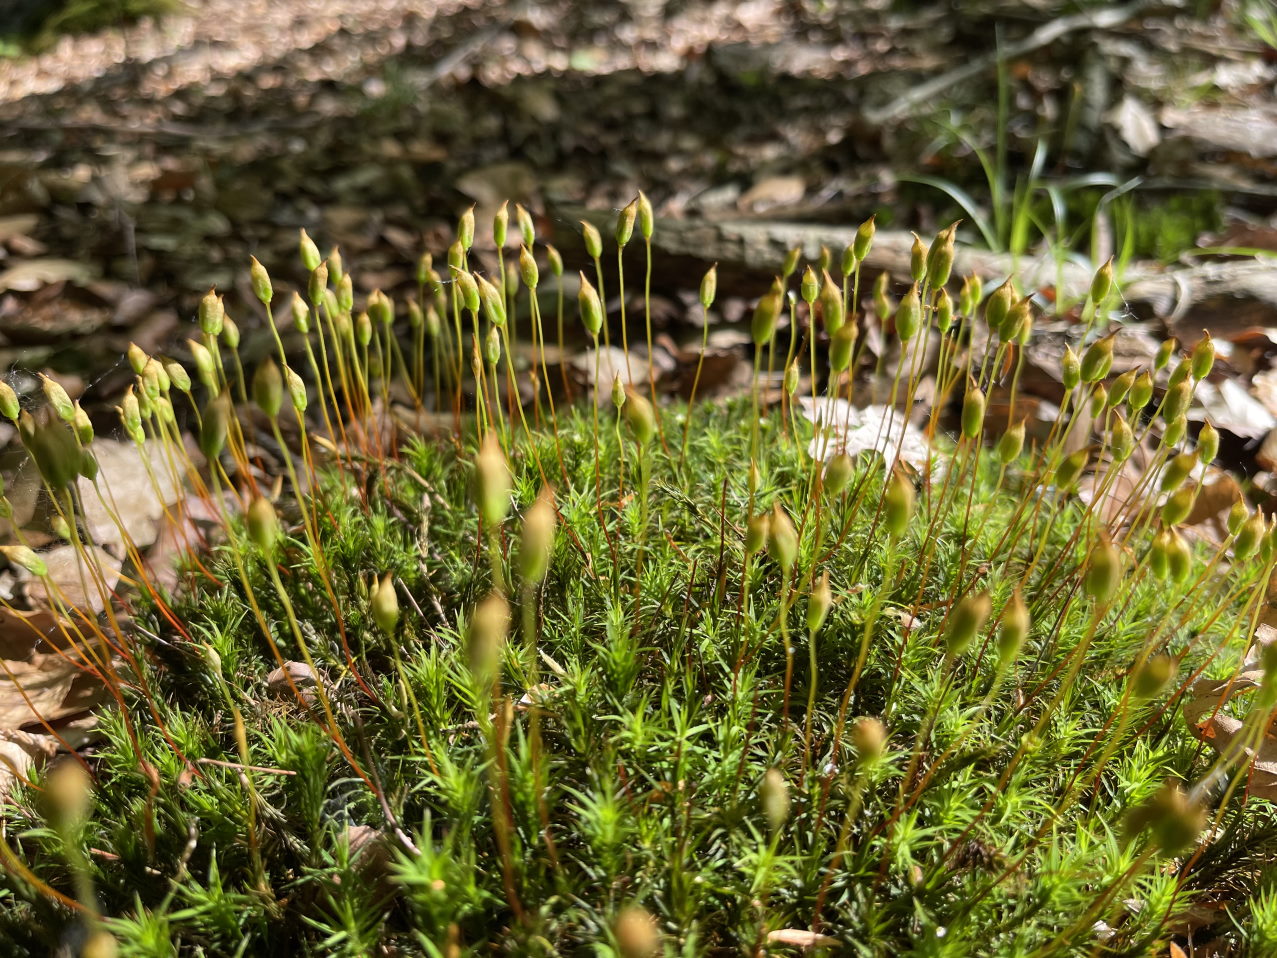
(48, 670)
(1178, 293)
(1205, 711)
(880, 429)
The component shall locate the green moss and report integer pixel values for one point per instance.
(1166, 227)
(612, 750)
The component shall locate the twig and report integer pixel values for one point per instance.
(244, 768)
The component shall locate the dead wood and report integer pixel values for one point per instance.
(1179, 294)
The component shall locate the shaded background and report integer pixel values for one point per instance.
(143, 161)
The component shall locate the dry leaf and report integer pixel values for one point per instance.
(128, 490)
(369, 848)
(197, 522)
(1135, 347)
(1136, 125)
(1240, 129)
(1229, 406)
(723, 366)
(32, 274)
(801, 938)
(423, 422)
(611, 361)
(42, 675)
(1203, 709)
(21, 751)
(489, 185)
(296, 675)
(1216, 495)
(76, 584)
(1190, 920)
(20, 224)
(1039, 415)
(1266, 454)
(772, 192)
(300, 673)
(908, 621)
(841, 427)
(23, 489)
(1264, 387)
(1114, 493)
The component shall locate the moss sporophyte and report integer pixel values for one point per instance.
(458, 652)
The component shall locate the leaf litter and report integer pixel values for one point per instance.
(1204, 710)
(49, 660)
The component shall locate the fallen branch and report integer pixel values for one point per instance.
(758, 247)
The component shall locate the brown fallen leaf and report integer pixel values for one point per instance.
(908, 621)
(801, 938)
(1216, 496)
(1229, 406)
(1135, 347)
(771, 192)
(1193, 918)
(53, 320)
(841, 427)
(296, 675)
(198, 523)
(42, 675)
(1039, 415)
(609, 362)
(370, 849)
(1203, 710)
(489, 185)
(129, 492)
(19, 224)
(422, 422)
(23, 489)
(1239, 129)
(723, 365)
(32, 274)
(21, 751)
(126, 487)
(1112, 495)
(1136, 125)
(1266, 454)
(1264, 387)
(75, 583)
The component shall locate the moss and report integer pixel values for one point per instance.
(654, 727)
(1165, 227)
